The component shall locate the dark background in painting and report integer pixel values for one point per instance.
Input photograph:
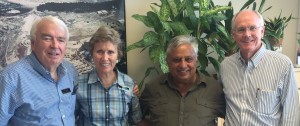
(82, 19)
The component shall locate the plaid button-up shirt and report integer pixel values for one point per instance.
(114, 106)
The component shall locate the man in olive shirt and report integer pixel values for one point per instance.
(182, 97)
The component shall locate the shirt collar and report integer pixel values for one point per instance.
(256, 58)
(167, 79)
(93, 78)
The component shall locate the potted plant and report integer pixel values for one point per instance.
(274, 31)
(174, 17)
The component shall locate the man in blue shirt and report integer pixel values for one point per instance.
(39, 89)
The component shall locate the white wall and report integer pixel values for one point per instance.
(139, 62)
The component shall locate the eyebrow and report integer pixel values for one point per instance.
(48, 35)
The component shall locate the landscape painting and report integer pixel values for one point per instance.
(83, 18)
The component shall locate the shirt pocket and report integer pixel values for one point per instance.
(207, 111)
(267, 101)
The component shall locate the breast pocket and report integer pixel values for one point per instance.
(206, 111)
(267, 101)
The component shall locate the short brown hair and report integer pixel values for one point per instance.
(106, 34)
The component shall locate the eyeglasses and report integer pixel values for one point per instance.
(242, 30)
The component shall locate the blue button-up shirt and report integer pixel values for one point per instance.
(30, 97)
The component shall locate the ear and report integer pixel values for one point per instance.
(32, 44)
(167, 61)
(262, 31)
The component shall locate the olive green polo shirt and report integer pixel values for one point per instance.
(163, 104)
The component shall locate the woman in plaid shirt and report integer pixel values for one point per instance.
(105, 95)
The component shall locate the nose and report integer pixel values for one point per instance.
(54, 43)
(247, 33)
(182, 63)
(104, 56)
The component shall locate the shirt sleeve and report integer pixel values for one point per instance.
(290, 100)
(7, 101)
(144, 98)
(135, 112)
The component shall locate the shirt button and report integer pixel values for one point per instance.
(63, 116)
(107, 119)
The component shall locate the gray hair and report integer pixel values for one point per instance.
(183, 39)
(52, 19)
(261, 19)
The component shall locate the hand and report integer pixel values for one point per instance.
(144, 122)
(136, 89)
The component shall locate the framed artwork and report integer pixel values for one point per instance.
(82, 19)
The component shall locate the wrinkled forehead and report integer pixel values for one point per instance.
(47, 27)
(183, 50)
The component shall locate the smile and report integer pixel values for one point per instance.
(105, 64)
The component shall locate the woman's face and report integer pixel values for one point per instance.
(105, 56)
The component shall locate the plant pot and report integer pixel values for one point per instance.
(275, 42)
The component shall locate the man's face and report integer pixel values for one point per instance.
(248, 32)
(182, 62)
(50, 44)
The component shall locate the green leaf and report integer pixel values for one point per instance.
(173, 7)
(267, 42)
(215, 10)
(157, 25)
(262, 3)
(166, 26)
(179, 28)
(154, 53)
(247, 4)
(191, 12)
(154, 9)
(202, 47)
(143, 19)
(148, 39)
(254, 6)
(204, 72)
(165, 11)
(204, 4)
(266, 9)
(203, 61)
(229, 14)
(215, 63)
(204, 23)
(221, 28)
(163, 63)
